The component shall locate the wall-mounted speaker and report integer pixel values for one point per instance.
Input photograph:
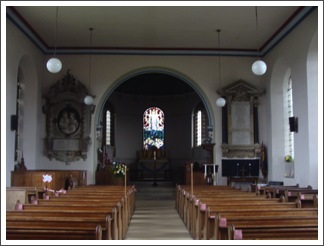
(14, 122)
(293, 123)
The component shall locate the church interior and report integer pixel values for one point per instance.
(199, 116)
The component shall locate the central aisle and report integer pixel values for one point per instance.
(156, 220)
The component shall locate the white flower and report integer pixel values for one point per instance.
(117, 172)
(114, 162)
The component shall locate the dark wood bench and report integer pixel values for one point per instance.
(54, 234)
(112, 209)
(302, 227)
(19, 226)
(215, 220)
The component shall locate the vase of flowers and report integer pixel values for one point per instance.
(118, 171)
(288, 158)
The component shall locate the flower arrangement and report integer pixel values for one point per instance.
(118, 169)
(288, 158)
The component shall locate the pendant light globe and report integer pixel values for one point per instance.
(220, 102)
(88, 100)
(259, 67)
(54, 65)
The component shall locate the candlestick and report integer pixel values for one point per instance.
(154, 156)
(205, 171)
(214, 170)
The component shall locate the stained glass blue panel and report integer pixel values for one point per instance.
(153, 128)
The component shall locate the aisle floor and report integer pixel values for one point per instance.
(156, 220)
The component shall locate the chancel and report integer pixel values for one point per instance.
(178, 139)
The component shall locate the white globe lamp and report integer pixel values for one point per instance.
(54, 65)
(88, 100)
(259, 67)
(220, 102)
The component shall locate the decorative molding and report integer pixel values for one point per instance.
(240, 151)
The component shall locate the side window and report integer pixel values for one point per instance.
(290, 138)
(199, 124)
(18, 110)
(108, 125)
(108, 128)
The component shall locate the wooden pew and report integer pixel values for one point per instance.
(103, 192)
(215, 221)
(113, 209)
(23, 194)
(124, 212)
(226, 201)
(192, 208)
(35, 228)
(55, 234)
(190, 204)
(292, 228)
(87, 204)
(201, 223)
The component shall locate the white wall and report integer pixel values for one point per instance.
(22, 53)
(291, 53)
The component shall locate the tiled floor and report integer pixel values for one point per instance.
(156, 220)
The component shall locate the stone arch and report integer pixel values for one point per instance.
(133, 73)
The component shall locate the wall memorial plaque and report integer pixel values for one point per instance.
(68, 120)
(240, 120)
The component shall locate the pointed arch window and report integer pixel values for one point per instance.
(153, 128)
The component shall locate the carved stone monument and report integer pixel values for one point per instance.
(240, 120)
(68, 120)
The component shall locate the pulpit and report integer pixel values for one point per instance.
(105, 177)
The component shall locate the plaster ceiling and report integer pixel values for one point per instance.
(157, 29)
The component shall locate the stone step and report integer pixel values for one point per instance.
(146, 191)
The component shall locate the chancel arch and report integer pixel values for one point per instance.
(123, 97)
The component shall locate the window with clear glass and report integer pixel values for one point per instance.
(199, 125)
(108, 127)
(153, 128)
(198, 130)
(18, 105)
(290, 114)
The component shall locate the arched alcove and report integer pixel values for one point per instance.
(30, 96)
(115, 86)
(281, 73)
(312, 94)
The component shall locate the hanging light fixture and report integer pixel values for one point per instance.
(54, 65)
(259, 67)
(88, 100)
(220, 102)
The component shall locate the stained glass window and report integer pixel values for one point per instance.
(153, 128)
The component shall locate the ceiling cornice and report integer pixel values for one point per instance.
(299, 15)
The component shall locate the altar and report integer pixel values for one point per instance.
(149, 158)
